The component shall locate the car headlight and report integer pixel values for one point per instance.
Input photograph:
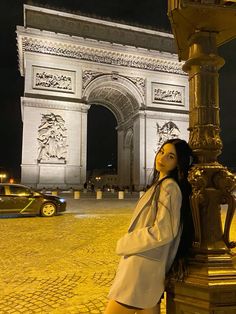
(62, 200)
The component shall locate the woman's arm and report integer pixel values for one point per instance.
(163, 231)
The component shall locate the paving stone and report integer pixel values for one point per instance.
(64, 264)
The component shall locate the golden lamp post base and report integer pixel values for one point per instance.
(188, 298)
(200, 26)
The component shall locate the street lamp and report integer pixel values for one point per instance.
(191, 16)
(199, 27)
(2, 176)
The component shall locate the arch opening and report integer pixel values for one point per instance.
(121, 98)
(101, 146)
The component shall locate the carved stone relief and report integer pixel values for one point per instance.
(89, 75)
(168, 130)
(52, 139)
(169, 94)
(53, 79)
(139, 82)
(100, 55)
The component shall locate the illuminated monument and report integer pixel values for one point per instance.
(70, 62)
(200, 26)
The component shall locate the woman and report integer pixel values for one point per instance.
(150, 246)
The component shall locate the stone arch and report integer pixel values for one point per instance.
(123, 99)
(115, 92)
(64, 74)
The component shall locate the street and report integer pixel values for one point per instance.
(63, 264)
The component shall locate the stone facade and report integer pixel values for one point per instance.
(142, 85)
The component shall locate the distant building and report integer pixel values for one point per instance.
(103, 178)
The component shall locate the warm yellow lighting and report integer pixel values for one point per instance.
(188, 17)
(2, 176)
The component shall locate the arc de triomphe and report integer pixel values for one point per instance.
(71, 62)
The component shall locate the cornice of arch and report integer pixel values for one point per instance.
(77, 17)
(77, 48)
(54, 104)
(96, 28)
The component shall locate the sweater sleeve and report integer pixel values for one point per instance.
(164, 229)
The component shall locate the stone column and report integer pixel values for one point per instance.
(76, 168)
(120, 161)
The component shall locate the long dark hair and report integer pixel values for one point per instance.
(180, 175)
(184, 157)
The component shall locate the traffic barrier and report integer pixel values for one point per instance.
(141, 193)
(99, 195)
(76, 195)
(121, 195)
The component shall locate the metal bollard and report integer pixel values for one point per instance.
(76, 195)
(141, 193)
(55, 193)
(121, 195)
(99, 195)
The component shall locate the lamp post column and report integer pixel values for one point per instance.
(211, 182)
(210, 286)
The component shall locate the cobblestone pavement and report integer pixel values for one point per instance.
(64, 264)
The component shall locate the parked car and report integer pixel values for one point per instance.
(18, 198)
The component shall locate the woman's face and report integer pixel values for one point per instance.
(166, 159)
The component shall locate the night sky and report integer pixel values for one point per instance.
(148, 13)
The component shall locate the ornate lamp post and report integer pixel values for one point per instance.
(200, 26)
